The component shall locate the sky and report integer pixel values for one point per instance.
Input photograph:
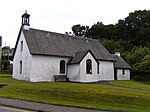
(60, 15)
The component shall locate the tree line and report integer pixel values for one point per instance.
(130, 36)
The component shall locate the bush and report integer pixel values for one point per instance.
(5, 64)
(141, 77)
(6, 72)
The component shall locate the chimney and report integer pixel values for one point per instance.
(117, 54)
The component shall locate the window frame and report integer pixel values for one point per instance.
(21, 46)
(88, 66)
(98, 67)
(62, 67)
(123, 71)
(20, 67)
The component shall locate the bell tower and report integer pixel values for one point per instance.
(25, 20)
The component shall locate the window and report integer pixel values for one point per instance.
(62, 67)
(97, 68)
(20, 67)
(123, 71)
(21, 46)
(88, 66)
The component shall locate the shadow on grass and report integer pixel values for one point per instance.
(2, 85)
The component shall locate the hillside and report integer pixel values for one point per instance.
(117, 95)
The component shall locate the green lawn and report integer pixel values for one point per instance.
(97, 96)
(6, 79)
(133, 84)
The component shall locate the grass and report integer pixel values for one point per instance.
(96, 96)
(6, 79)
(132, 84)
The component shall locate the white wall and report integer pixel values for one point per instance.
(74, 72)
(45, 67)
(106, 69)
(42, 68)
(88, 77)
(23, 56)
(121, 76)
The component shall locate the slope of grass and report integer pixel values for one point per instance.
(133, 84)
(95, 96)
(7, 79)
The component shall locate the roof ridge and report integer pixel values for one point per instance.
(63, 45)
(73, 36)
(82, 51)
(120, 62)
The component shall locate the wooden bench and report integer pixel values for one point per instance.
(60, 77)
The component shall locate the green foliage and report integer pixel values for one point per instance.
(111, 45)
(137, 27)
(142, 77)
(130, 36)
(98, 31)
(6, 71)
(142, 36)
(79, 30)
(138, 57)
(144, 66)
(5, 64)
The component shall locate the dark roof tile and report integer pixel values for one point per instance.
(120, 62)
(50, 43)
(78, 57)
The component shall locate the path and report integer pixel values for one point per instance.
(107, 83)
(38, 107)
(10, 109)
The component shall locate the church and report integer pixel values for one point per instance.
(41, 56)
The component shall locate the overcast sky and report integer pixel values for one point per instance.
(60, 15)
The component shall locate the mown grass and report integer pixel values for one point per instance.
(7, 79)
(96, 96)
(132, 84)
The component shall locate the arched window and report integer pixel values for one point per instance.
(62, 67)
(88, 66)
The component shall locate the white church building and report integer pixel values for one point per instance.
(47, 56)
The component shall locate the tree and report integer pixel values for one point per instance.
(136, 25)
(5, 65)
(144, 66)
(122, 31)
(137, 57)
(134, 29)
(143, 36)
(80, 30)
(130, 36)
(111, 45)
(98, 31)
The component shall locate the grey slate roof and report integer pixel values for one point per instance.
(120, 62)
(49, 43)
(78, 57)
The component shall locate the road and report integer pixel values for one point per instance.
(10, 109)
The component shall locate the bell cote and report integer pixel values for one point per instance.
(26, 20)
